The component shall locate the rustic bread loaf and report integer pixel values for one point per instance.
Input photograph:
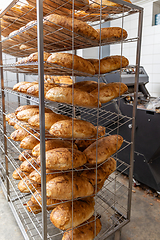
(30, 141)
(61, 216)
(23, 88)
(112, 34)
(26, 114)
(51, 144)
(36, 176)
(84, 232)
(87, 86)
(26, 185)
(50, 119)
(81, 129)
(110, 91)
(34, 208)
(63, 80)
(63, 159)
(109, 64)
(37, 198)
(24, 107)
(66, 60)
(34, 57)
(17, 85)
(105, 147)
(18, 174)
(20, 134)
(26, 154)
(60, 187)
(34, 89)
(29, 165)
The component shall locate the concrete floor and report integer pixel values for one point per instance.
(144, 225)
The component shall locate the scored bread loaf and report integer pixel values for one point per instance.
(64, 95)
(66, 60)
(64, 159)
(109, 64)
(110, 91)
(26, 114)
(112, 34)
(20, 134)
(26, 185)
(37, 198)
(51, 144)
(26, 154)
(30, 141)
(35, 176)
(61, 216)
(18, 174)
(105, 147)
(29, 165)
(24, 107)
(50, 119)
(84, 232)
(81, 129)
(60, 187)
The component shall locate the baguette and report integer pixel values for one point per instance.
(61, 216)
(28, 113)
(81, 129)
(26, 185)
(64, 159)
(105, 147)
(110, 91)
(36, 176)
(60, 187)
(26, 154)
(29, 165)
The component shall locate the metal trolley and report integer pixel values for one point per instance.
(113, 201)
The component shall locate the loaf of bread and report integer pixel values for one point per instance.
(26, 154)
(80, 27)
(63, 159)
(29, 165)
(24, 107)
(61, 216)
(84, 232)
(105, 147)
(17, 85)
(23, 88)
(64, 95)
(106, 3)
(112, 34)
(35, 176)
(34, 208)
(20, 134)
(81, 129)
(34, 89)
(103, 171)
(51, 144)
(26, 114)
(67, 80)
(37, 198)
(11, 119)
(109, 64)
(66, 60)
(26, 185)
(110, 91)
(18, 174)
(30, 141)
(34, 57)
(60, 187)
(50, 119)
(87, 86)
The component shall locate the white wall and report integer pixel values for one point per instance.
(150, 51)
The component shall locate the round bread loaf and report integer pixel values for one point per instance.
(84, 232)
(36, 176)
(51, 144)
(37, 199)
(61, 216)
(30, 141)
(26, 114)
(105, 148)
(29, 165)
(26, 154)
(18, 174)
(26, 185)
(24, 107)
(63, 159)
(81, 129)
(20, 134)
(60, 187)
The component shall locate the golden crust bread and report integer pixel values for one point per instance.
(29, 165)
(36, 176)
(51, 144)
(34, 208)
(97, 4)
(24, 107)
(87, 86)
(62, 159)
(26, 154)
(18, 174)
(30, 142)
(109, 64)
(80, 27)
(28, 113)
(61, 216)
(17, 85)
(26, 185)
(105, 148)
(34, 89)
(112, 34)
(23, 88)
(81, 129)
(63, 80)
(20, 134)
(60, 188)
(110, 91)
(50, 119)
(84, 232)
(37, 198)
(64, 95)
(34, 57)
(66, 60)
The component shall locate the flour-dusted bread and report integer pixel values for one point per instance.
(26, 185)
(18, 174)
(87, 86)
(61, 216)
(20, 134)
(51, 144)
(105, 148)
(29, 165)
(66, 60)
(64, 95)
(81, 129)
(24, 107)
(11, 119)
(112, 34)
(109, 64)
(80, 27)
(60, 187)
(23, 88)
(34, 208)
(17, 85)
(30, 141)
(37, 198)
(110, 91)
(35, 176)
(63, 159)
(84, 232)
(26, 114)
(50, 119)
(26, 154)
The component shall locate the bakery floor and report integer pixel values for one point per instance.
(144, 225)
